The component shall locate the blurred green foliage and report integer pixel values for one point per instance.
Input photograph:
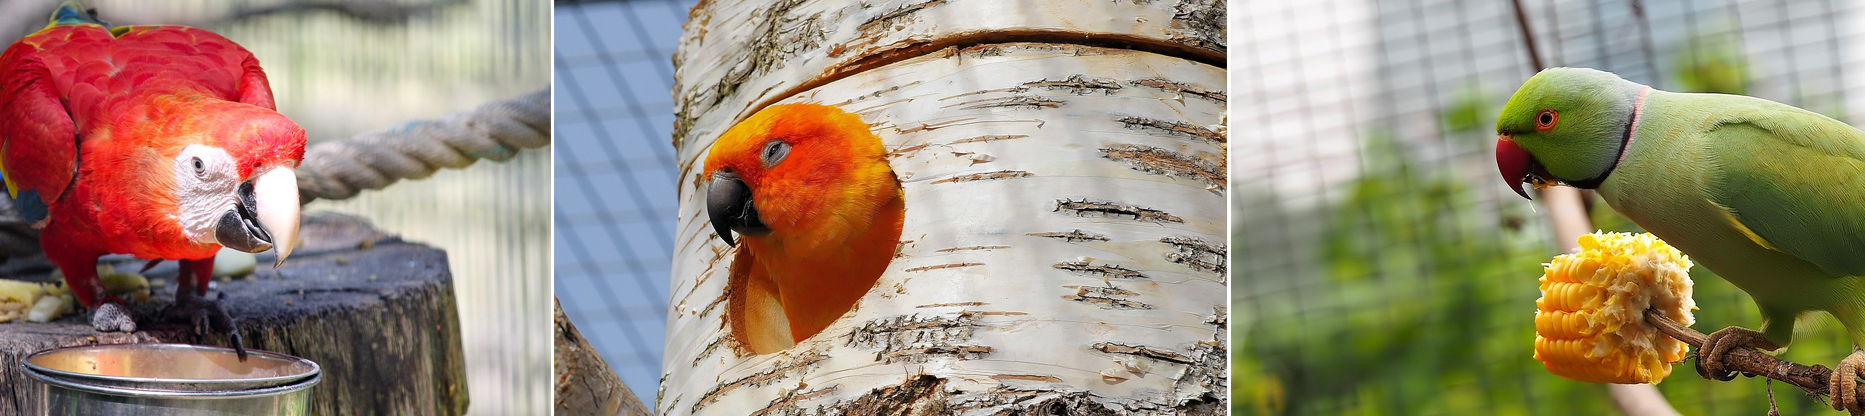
(1711, 64)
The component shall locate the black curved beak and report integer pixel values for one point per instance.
(239, 228)
(729, 205)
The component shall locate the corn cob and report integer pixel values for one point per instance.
(1589, 321)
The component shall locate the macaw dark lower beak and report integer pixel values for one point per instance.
(729, 205)
(1515, 164)
(266, 217)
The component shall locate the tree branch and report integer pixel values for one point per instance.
(1751, 362)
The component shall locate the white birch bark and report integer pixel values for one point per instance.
(1064, 172)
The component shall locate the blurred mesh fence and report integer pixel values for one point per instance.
(615, 178)
(344, 67)
(1384, 269)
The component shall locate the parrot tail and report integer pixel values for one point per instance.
(73, 13)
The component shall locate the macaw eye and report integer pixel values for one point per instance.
(774, 152)
(200, 168)
(1546, 120)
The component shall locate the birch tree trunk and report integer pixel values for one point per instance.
(1064, 172)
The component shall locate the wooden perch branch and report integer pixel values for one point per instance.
(1751, 362)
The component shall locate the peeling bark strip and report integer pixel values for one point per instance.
(1105, 270)
(921, 395)
(922, 354)
(1209, 359)
(1002, 174)
(943, 266)
(1178, 128)
(1142, 351)
(1200, 23)
(710, 348)
(906, 150)
(1026, 377)
(987, 139)
(1078, 85)
(914, 339)
(1014, 101)
(1107, 298)
(882, 22)
(1114, 210)
(763, 378)
(787, 404)
(1198, 254)
(971, 248)
(1183, 88)
(944, 305)
(715, 303)
(1072, 236)
(1157, 161)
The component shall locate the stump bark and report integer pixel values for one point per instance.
(376, 312)
(1063, 168)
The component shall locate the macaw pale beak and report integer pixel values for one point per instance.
(729, 205)
(1514, 162)
(266, 217)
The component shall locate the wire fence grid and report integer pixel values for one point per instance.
(1383, 268)
(615, 177)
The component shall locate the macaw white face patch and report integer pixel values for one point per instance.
(207, 185)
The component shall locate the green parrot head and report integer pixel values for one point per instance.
(1565, 125)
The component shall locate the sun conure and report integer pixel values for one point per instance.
(808, 188)
(160, 142)
(1768, 196)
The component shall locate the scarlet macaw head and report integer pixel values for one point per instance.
(234, 182)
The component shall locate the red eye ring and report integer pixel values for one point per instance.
(1546, 119)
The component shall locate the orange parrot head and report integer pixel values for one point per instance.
(803, 174)
(809, 189)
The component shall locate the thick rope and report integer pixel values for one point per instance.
(497, 131)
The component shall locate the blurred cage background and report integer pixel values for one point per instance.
(1384, 269)
(343, 67)
(615, 178)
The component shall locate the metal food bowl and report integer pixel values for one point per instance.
(171, 379)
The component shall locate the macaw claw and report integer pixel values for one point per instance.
(112, 316)
(208, 316)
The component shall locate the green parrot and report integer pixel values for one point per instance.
(1769, 196)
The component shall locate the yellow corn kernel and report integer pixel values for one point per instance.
(1589, 322)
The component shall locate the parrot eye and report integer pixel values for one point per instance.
(1546, 120)
(200, 168)
(774, 152)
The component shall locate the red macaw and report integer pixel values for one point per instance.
(160, 142)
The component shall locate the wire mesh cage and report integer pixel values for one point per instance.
(615, 175)
(1383, 269)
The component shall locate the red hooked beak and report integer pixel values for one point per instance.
(1514, 164)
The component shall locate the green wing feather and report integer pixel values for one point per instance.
(1794, 179)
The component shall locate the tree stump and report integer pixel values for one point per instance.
(1062, 163)
(377, 313)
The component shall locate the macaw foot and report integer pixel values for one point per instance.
(112, 316)
(208, 316)
(1844, 385)
(1710, 363)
